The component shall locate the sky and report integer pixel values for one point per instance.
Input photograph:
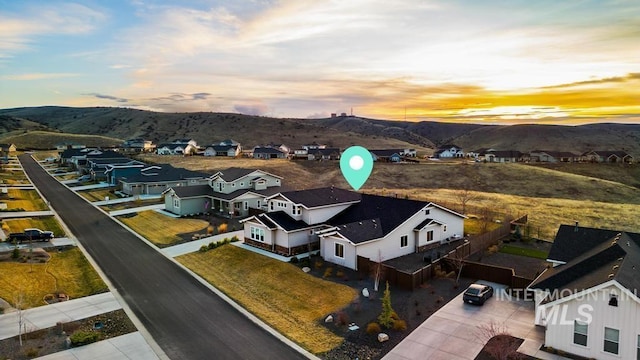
(474, 61)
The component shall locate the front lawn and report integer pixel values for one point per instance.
(28, 200)
(528, 252)
(97, 194)
(160, 229)
(292, 302)
(67, 271)
(47, 223)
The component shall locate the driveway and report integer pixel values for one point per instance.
(451, 333)
(182, 315)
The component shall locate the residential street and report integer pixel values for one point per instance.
(184, 317)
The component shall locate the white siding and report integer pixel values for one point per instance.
(327, 251)
(268, 235)
(625, 318)
(320, 215)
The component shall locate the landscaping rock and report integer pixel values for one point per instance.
(382, 337)
(329, 319)
(365, 292)
(306, 269)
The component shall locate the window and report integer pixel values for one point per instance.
(613, 300)
(638, 349)
(233, 185)
(271, 205)
(580, 331)
(246, 205)
(429, 235)
(339, 252)
(241, 184)
(611, 339)
(404, 241)
(257, 233)
(426, 212)
(444, 228)
(297, 210)
(176, 203)
(258, 204)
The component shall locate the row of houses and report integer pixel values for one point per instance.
(504, 156)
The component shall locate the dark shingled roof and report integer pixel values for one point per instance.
(266, 192)
(284, 220)
(232, 174)
(387, 211)
(386, 152)
(266, 150)
(425, 223)
(618, 259)
(321, 196)
(573, 241)
(184, 192)
(163, 173)
(361, 231)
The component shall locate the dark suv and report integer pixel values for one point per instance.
(477, 294)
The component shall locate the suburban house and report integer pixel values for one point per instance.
(552, 156)
(115, 171)
(448, 151)
(267, 152)
(138, 145)
(178, 147)
(602, 156)
(588, 301)
(345, 225)
(7, 148)
(69, 145)
(323, 154)
(223, 150)
(78, 157)
(232, 192)
(97, 167)
(479, 154)
(503, 156)
(155, 179)
(386, 155)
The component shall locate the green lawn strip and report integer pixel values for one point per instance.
(97, 195)
(516, 250)
(283, 296)
(47, 223)
(160, 229)
(67, 271)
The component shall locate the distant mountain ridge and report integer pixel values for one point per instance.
(342, 131)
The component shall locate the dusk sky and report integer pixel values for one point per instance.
(480, 61)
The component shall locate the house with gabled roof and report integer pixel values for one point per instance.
(503, 156)
(552, 156)
(345, 225)
(155, 179)
(7, 148)
(386, 155)
(233, 192)
(448, 151)
(588, 302)
(606, 156)
(267, 152)
(323, 154)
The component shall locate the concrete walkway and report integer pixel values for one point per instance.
(125, 347)
(46, 316)
(23, 214)
(91, 187)
(136, 209)
(4, 246)
(193, 246)
(452, 333)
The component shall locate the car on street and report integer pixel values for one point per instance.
(477, 294)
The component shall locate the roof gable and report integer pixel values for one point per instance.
(573, 241)
(321, 197)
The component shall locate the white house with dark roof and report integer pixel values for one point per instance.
(155, 179)
(232, 192)
(448, 151)
(345, 225)
(267, 152)
(589, 301)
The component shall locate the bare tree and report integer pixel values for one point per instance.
(377, 271)
(19, 303)
(498, 342)
(465, 196)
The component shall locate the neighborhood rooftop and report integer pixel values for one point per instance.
(321, 196)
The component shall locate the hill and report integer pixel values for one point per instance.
(343, 131)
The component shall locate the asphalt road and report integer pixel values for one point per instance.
(184, 317)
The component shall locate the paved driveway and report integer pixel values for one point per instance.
(184, 316)
(452, 334)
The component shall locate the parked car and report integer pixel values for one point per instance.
(477, 294)
(31, 234)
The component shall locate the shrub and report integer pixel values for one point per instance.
(212, 245)
(203, 248)
(318, 264)
(294, 260)
(15, 253)
(222, 228)
(340, 273)
(81, 337)
(328, 272)
(210, 229)
(234, 239)
(31, 353)
(373, 328)
(342, 318)
(395, 316)
(399, 325)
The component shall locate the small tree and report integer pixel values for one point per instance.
(19, 302)
(386, 317)
(498, 341)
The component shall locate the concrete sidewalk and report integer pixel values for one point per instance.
(23, 214)
(193, 246)
(125, 347)
(46, 316)
(137, 209)
(452, 332)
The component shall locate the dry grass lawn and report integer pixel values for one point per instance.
(29, 200)
(160, 229)
(48, 223)
(67, 271)
(293, 307)
(96, 195)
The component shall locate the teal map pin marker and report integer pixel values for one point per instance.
(356, 164)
